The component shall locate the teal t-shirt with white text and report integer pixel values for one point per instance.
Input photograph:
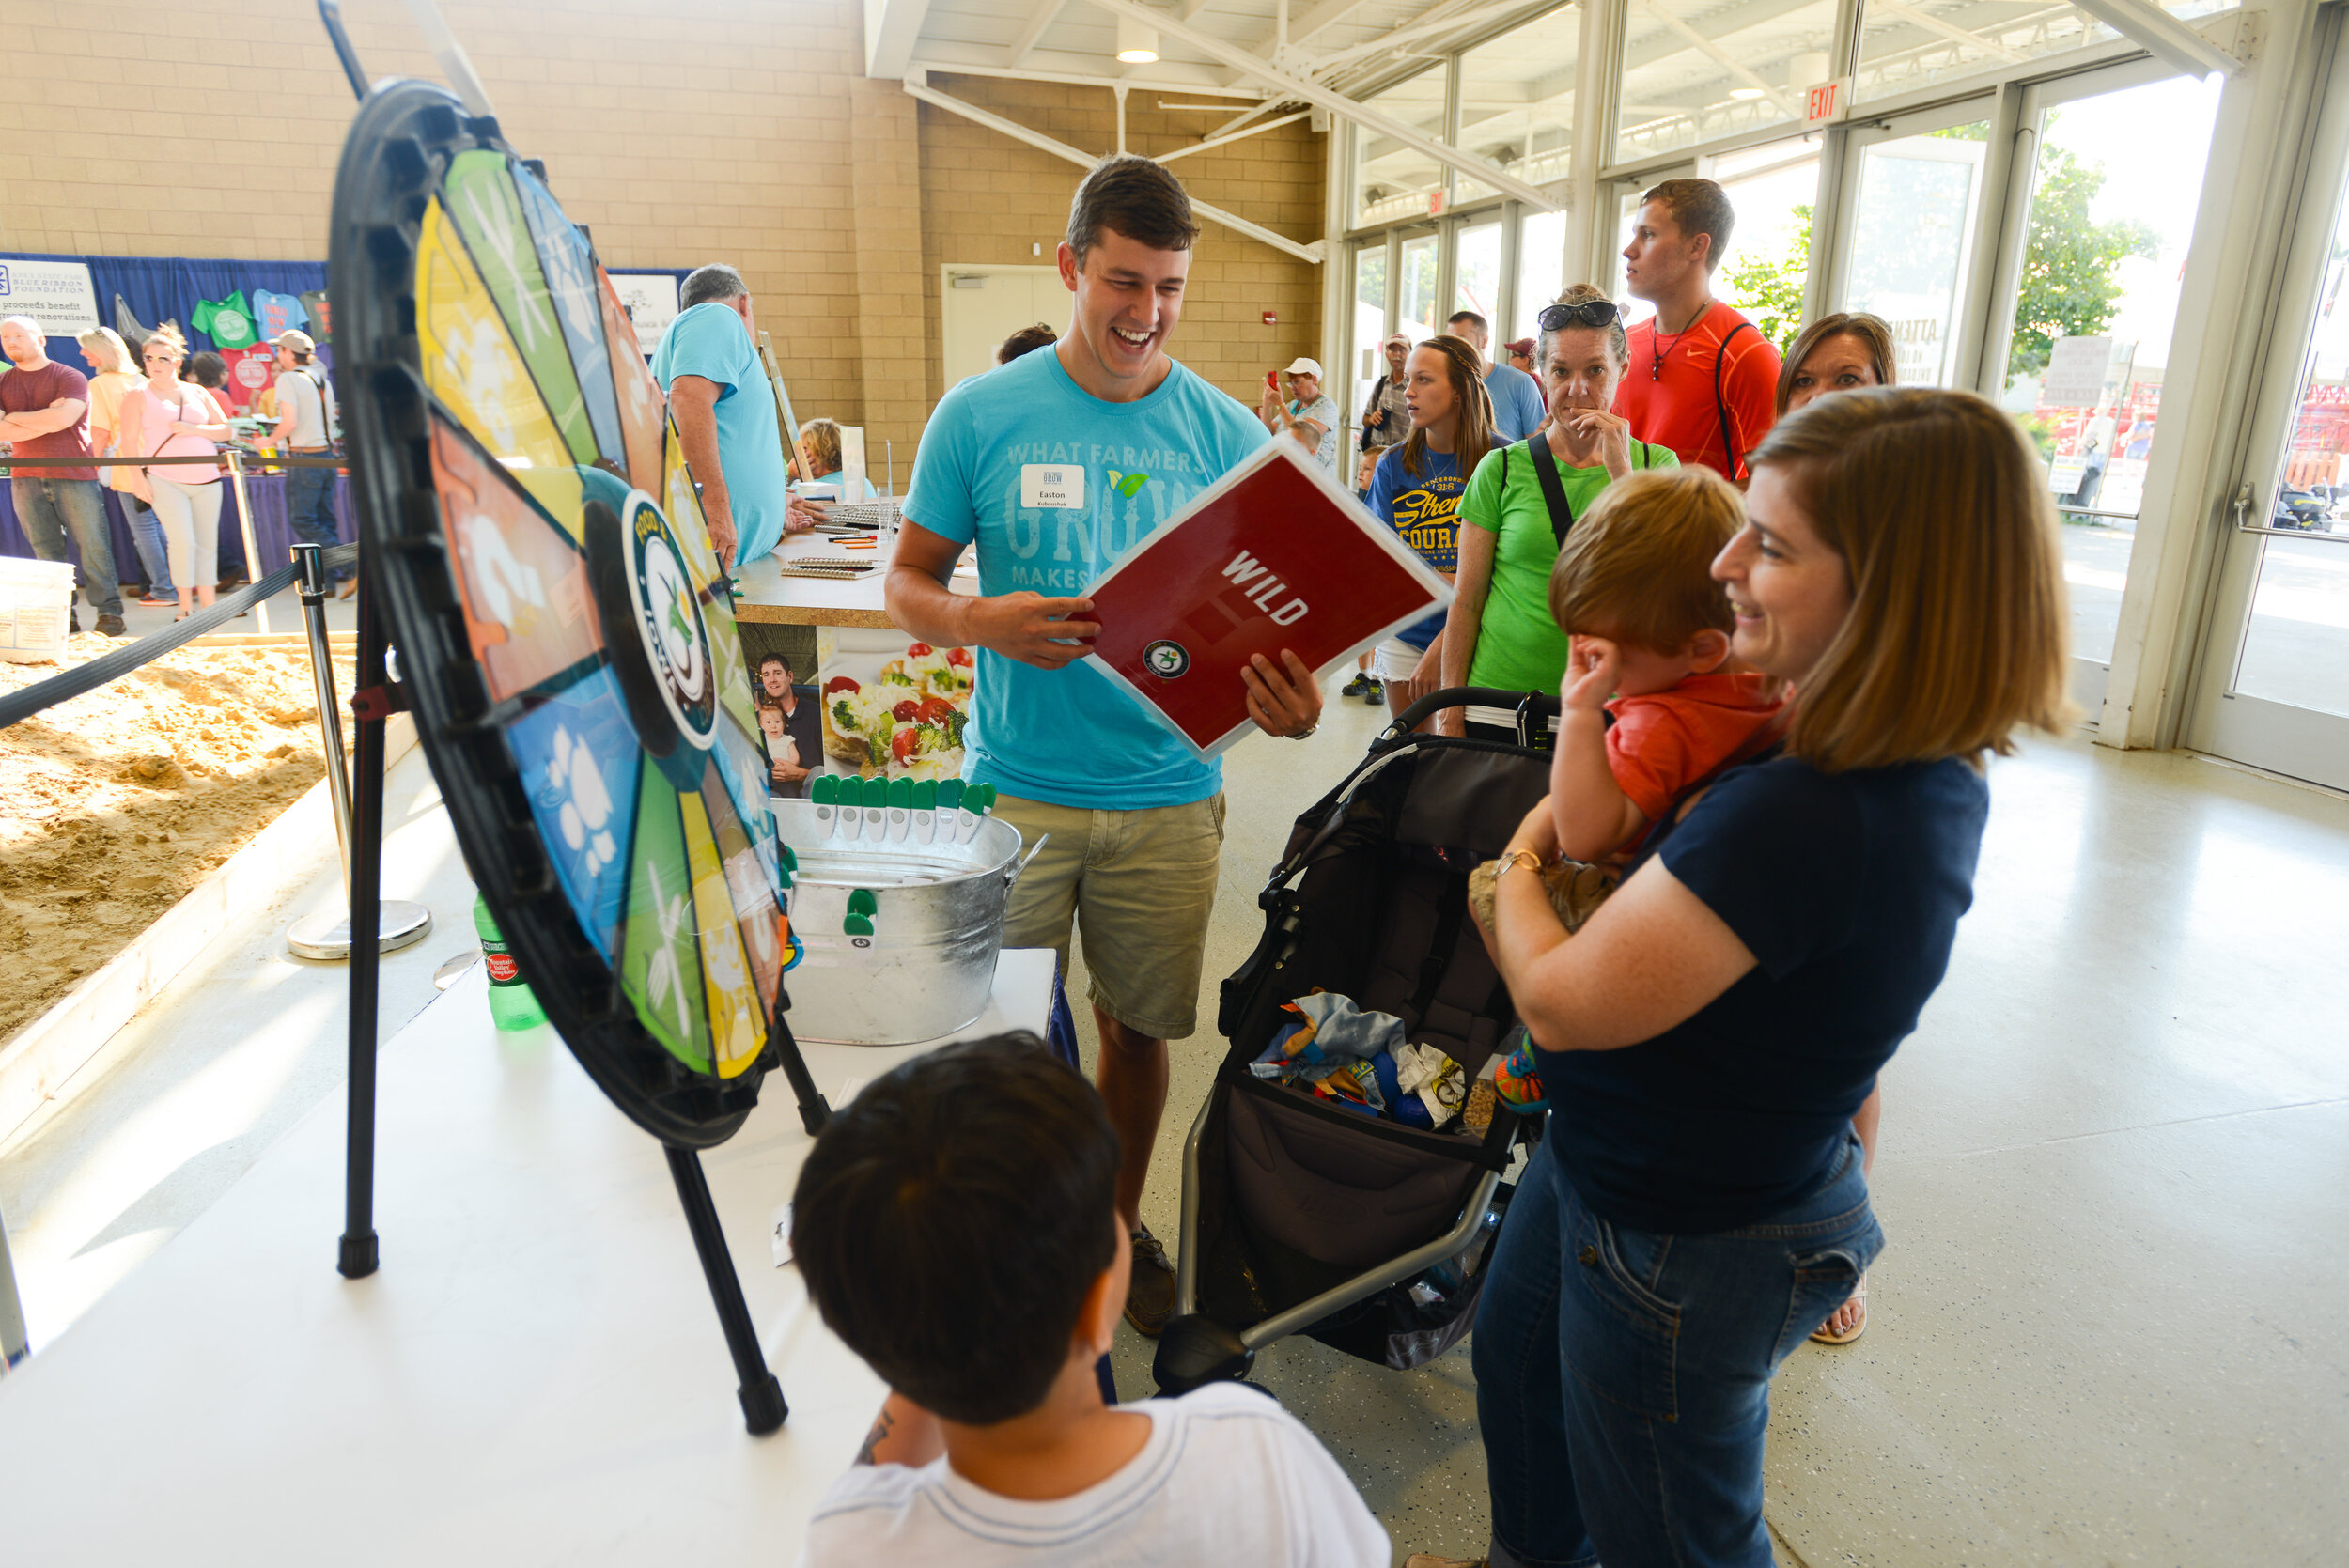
(1071, 736)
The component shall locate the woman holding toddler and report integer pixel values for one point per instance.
(1706, 1037)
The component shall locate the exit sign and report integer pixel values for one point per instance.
(1824, 103)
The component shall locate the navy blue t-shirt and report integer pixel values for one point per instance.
(1847, 889)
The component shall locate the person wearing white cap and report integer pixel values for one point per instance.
(1386, 418)
(1309, 416)
(304, 401)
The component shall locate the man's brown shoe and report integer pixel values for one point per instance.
(1150, 1287)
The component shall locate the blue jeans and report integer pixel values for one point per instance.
(147, 535)
(49, 510)
(1623, 1378)
(310, 507)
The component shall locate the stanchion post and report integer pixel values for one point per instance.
(359, 1254)
(315, 586)
(245, 521)
(761, 1393)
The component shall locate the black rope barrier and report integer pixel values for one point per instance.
(115, 665)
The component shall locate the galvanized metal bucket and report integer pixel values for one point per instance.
(901, 936)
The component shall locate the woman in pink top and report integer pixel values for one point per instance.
(169, 418)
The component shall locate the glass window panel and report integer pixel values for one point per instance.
(2112, 209)
(1370, 321)
(1392, 182)
(1697, 70)
(1766, 264)
(1628, 194)
(1416, 314)
(1912, 243)
(1907, 44)
(1541, 269)
(1476, 272)
(2296, 647)
(1516, 101)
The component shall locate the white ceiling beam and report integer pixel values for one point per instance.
(2164, 35)
(1721, 58)
(956, 60)
(1337, 103)
(1045, 14)
(1753, 13)
(1411, 32)
(1037, 139)
(1948, 30)
(891, 28)
(1235, 137)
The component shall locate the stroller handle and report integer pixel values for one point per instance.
(1534, 705)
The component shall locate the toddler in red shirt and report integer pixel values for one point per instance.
(1633, 588)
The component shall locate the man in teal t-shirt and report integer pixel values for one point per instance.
(1055, 464)
(725, 413)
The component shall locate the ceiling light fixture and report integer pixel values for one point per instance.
(1137, 45)
(1743, 95)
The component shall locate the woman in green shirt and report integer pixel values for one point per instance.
(1501, 634)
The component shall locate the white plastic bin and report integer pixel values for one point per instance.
(35, 608)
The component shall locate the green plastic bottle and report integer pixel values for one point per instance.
(512, 1004)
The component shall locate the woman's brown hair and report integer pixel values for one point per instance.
(1473, 435)
(1869, 329)
(1956, 637)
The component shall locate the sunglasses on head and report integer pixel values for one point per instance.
(1591, 313)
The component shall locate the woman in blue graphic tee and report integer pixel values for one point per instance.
(1698, 1206)
(1416, 492)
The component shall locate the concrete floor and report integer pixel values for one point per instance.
(2106, 1329)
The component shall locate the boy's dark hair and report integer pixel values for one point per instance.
(1027, 340)
(1471, 318)
(772, 658)
(207, 371)
(951, 1220)
(1138, 199)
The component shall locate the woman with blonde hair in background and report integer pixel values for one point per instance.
(819, 448)
(167, 417)
(1698, 1206)
(113, 377)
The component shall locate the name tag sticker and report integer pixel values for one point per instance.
(1055, 485)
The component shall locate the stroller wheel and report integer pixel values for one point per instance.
(1196, 1350)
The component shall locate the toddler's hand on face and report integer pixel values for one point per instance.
(1592, 667)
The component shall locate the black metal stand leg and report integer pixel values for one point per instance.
(763, 1410)
(359, 1255)
(814, 1110)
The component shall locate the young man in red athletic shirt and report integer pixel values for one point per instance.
(1702, 379)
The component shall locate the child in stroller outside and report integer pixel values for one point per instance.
(1633, 588)
(956, 1226)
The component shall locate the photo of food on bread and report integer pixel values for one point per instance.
(905, 721)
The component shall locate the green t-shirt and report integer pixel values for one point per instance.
(1518, 646)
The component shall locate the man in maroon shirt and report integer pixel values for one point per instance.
(44, 412)
(1702, 379)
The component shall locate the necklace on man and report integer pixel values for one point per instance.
(1657, 356)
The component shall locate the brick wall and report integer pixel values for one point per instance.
(677, 132)
(986, 198)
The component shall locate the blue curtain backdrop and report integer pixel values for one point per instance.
(160, 288)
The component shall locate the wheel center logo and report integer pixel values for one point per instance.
(669, 617)
(1166, 659)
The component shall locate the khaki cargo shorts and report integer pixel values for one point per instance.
(1139, 885)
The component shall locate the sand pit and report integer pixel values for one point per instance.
(113, 805)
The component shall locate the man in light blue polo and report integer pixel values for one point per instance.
(1055, 464)
(725, 414)
(1517, 411)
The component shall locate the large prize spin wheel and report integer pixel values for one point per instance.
(529, 528)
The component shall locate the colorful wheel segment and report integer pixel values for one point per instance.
(564, 625)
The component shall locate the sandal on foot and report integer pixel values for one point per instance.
(1858, 1298)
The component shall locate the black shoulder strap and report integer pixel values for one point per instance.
(1553, 489)
(1720, 407)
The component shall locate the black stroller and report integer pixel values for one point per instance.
(1301, 1216)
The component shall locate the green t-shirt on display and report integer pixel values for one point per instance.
(1518, 646)
(228, 321)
